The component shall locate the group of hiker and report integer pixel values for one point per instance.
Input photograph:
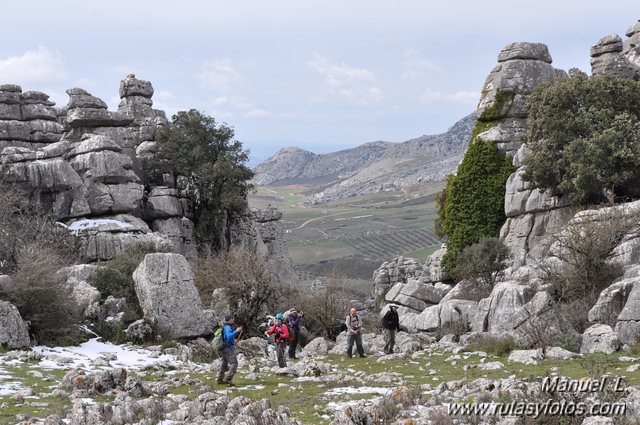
(288, 335)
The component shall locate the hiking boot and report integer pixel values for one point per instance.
(229, 383)
(362, 356)
(220, 382)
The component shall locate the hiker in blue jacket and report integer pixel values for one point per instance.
(228, 353)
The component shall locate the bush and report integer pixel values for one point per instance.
(41, 295)
(325, 307)
(483, 262)
(115, 277)
(583, 269)
(472, 204)
(23, 227)
(251, 284)
(584, 138)
(494, 345)
(33, 248)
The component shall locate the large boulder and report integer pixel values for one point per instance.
(628, 325)
(166, 292)
(13, 330)
(614, 298)
(416, 295)
(539, 322)
(494, 314)
(455, 314)
(600, 339)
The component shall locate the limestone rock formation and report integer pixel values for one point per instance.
(611, 56)
(531, 213)
(13, 330)
(600, 339)
(86, 165)
(168, 296)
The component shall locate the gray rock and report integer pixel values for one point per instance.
(13, 330)
(92, 117)
(529, 357)
(532, 51)
(494, 314)
(612, 300)
(80, 98)
(539, 321)
(317, 346)
(131, 86)
(558, 353)
(139, 331)
(600, 339)
(467, 290)
(77, 279)
(162, 202)
(446, 313)
(611, 43)
(167, 295)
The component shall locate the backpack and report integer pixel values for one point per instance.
(217, 342)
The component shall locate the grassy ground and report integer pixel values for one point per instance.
(307, 400)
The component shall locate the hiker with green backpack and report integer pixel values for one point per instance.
(225, 343)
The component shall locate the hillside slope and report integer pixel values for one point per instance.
(371, 167)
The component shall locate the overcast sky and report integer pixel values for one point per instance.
(321, 75)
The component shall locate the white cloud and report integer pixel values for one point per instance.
(460, 97)
(416, 66)
(219, 76)
(41, 66)
(357, 85)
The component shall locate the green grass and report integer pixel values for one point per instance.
(422, 254)
(321, 250)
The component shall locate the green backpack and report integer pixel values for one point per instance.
(217, 342)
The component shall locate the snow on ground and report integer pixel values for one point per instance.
(82, 356)
(353, 390)
(81, 225)
(8, 387)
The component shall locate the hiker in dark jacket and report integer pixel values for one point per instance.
(391, 325)
(294, 330)
(282, 337)
(354, 326)
(228, 353)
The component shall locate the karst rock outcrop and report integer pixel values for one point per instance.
(519, 305)
(88, 167)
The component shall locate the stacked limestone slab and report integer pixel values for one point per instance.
(531, 213)
(611, 56)
(86, 165)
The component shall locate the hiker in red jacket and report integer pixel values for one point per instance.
(282, 336)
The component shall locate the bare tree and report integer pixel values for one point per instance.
(325, 306)
(252, 286)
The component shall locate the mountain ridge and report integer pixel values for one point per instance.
(371, 167)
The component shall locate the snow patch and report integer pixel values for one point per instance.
(360, 390)
(81, 225)
(82, 356)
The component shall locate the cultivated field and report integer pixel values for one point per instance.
(352, 237)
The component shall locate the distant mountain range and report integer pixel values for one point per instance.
(371, 167)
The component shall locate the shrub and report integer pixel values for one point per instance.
(494, 345)
(580, 267)
(115, 277)
(251, 284)
(472, 204)
(41, 295)
(325, 307)
(584, 138)
(22, 227)
(483, 262)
